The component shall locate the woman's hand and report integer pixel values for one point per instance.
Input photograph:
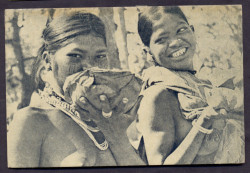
(96, 99)
(85, 94)
(99, 102)
(210, 114)
(114, 128)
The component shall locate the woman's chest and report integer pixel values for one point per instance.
(55, 148)
(58, 150)
(211, 144)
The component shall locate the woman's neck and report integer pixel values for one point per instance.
(53, 83)
(181, 70)
(57, 89)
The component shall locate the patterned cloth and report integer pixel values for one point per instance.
(226, 143)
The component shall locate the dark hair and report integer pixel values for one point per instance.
(60, 32)
(151, 14)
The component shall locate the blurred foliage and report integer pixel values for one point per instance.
(218, 30)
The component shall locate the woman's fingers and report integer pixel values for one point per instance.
(209, 112)
(212, 114)
(103, 89)
(71, 80)
(87, 83)
(121, 105)
(105, 106)
(85, 105)
(75, 85)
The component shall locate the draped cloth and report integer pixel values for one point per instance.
(226, 143)
(115, 84)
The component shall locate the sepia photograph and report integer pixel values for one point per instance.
(124, 86)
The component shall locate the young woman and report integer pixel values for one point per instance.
(179, 118)
(52, 133)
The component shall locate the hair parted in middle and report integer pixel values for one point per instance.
(60, 31)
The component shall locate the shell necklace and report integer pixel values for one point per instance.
(89, 126)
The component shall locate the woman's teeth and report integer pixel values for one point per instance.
(179, 52)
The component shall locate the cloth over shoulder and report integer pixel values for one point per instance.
(194, 95)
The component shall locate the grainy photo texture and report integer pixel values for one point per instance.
(122, 86)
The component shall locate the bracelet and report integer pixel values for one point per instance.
(201, 129)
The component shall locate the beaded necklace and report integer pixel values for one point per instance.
(89, 126)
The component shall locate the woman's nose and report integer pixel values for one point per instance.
(174, 43)
(87, 63)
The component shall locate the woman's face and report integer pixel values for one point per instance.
(83, 52)
(173, 43)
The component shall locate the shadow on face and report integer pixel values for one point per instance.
(83, 52)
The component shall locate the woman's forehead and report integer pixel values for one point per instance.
(88, 38)
(84, 44)
(168, 20)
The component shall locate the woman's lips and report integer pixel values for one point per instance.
(178, 53)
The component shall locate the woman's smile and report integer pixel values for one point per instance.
(173, 43)
(177, 53)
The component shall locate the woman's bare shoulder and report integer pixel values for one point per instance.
(159, 93)
(30, 117)
(158, 101)
(31, 113)
(26, 133)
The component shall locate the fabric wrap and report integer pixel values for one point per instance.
(226, 143)
(115, 84)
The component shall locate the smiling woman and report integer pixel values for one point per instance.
(170, 36)
(84, 114)
(173, 38)
(182, 119)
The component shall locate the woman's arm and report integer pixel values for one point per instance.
(163, 129)
(189, 147)
(25, 139)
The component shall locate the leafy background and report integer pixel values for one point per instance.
(218, 31)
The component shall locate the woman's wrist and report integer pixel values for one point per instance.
(205, 119)
(203, 122)
(198, 127)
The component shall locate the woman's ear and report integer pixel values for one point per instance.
(43, 74)
(47, 59)
(146, 50)
(192, 27)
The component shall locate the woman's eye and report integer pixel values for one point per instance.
(101, 56)
(161, 40)
(74, 55)
(181, 30)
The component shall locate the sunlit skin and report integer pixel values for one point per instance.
(53, 142)
(41, 136)
(170, 35)
(168, 137)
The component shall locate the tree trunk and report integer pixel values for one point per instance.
(51, 12)
(106, 14)
(123, 31)
(25, 81)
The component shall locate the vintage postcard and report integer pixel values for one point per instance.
(124, 86)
